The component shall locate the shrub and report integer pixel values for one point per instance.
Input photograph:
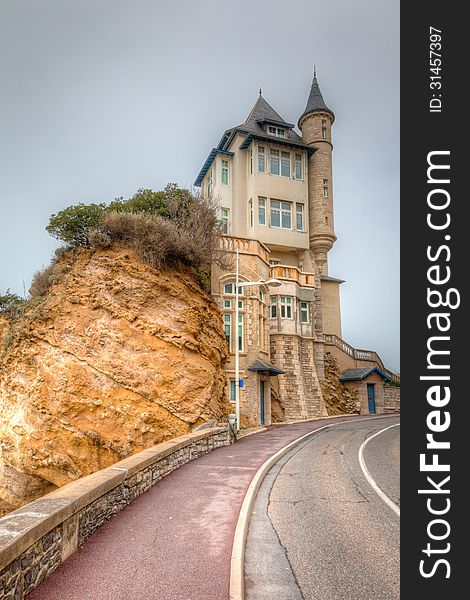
(9, 301)
(42, 280)
(72, 224)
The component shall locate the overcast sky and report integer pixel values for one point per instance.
(101, 97)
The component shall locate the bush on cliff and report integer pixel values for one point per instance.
(164, 228)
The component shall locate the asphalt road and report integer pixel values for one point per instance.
(319, 531)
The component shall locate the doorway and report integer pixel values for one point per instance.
(261, 402)
(371, 398)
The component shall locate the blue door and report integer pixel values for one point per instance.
(371, 397)
(261, 402)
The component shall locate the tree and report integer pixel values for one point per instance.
(72, 224)
(9, 300)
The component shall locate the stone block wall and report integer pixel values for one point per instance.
(37, 538)
(299, 389)
(391, 399)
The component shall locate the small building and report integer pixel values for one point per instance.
(368, 383)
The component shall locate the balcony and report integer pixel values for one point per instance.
(290, 273)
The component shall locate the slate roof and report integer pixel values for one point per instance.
(315, 102)
(263, 365)
(362, 373)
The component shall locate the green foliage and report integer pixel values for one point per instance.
(72, 224)
(9, 301)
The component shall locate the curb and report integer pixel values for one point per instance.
(237, 560)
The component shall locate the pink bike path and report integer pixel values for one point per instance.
(175, 541)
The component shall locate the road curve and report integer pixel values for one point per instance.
(319, 531)
(174, 542)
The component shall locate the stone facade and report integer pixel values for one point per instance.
(391, 399)
(360, 388)
(36, 539)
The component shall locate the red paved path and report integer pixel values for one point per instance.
(175, 541)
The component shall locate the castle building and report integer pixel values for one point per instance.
(274, 190)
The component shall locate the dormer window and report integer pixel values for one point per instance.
(276, 131)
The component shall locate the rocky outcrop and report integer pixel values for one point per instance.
(337, 398)
(115, 358)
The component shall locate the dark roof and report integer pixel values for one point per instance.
(315, 102)
(255, 127)
(263, 365)
(362, 373)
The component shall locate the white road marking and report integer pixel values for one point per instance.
(368, 476)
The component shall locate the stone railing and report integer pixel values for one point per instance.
(244, 246)
(357, 354)
(292, 273)
(37, 538)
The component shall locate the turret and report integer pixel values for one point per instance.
(315, 124)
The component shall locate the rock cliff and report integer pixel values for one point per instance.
(115, 358)
(338, 399)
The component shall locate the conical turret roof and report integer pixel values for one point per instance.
(315, 102)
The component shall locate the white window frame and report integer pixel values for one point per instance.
(225, 219)
(225, 170)
(232, 289)
(261, 155)
(241, 333)
(286, 211)
(299, 211)
(210, 183)
(298, 163)
(232, 387)
(262, 210)
(228, 324)
(286, 307)
(279, 132)
(285, 163)
(304, 312)
(325, 188)
(274, 155)
(273, 308)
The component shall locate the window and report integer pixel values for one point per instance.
(275, 261)
(227, 304)
(228, 329)
(299, 217)
(304, 312)
(285, 164)
(251, 162)
(277, 131)
(281, 214)
(274, 155)
(261, 160)
(298, 166)
(325, 188)
(210, 184)
(273, 307)
(286, 307)
(261, 295)
(262, 211)
(323, 129)
(232, 391)
(229, 288)
(224, 219)
(275, 213)
(240, 333)
(250, 211)
(225, 172)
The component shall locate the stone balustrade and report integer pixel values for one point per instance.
(291, 273)
(37, 538)
(358, 354)
(244, 246)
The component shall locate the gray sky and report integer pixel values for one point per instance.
(101, 97)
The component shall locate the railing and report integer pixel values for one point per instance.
(244, 246)
(357, 354)
(292, 273)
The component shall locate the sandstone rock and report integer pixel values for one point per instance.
(116, 358)
(338, 399)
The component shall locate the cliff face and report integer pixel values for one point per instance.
(338, 399)
(116, 358)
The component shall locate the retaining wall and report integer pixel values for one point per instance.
(391, 399)
(37, 538)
